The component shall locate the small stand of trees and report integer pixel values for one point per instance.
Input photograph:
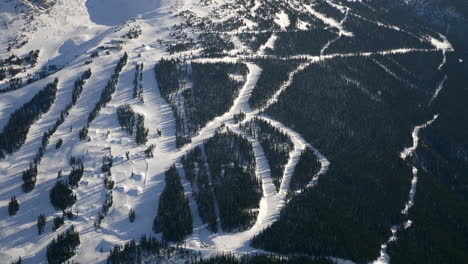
(63, 247)
(174, 219)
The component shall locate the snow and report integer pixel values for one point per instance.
(66, 35)
(439, 89)
(115, 12)
(282, 19)
(441, 44)
(329, 21)
(270, 44)
(384, 258)
(302, 25)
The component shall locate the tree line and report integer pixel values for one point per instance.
(105, 97)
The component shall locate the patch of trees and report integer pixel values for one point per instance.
(174, 219)
(131, 215)
(308, 42)
(41, 222)
(107, 162)
(179, 47)
(196, 173)
(231, 161)
(59, 143)
(28, 59)
(229, 258)
(13, 206)
(61, 196)
(77, 171)
(58, 222)
(149, 151)
(15, 83)
(133, 33)
(29, 175)
(141, 135)
(254, 40)
(197, 92)
(137, 82)
(305, 170)
(215, 45)
(63, 247)
(12, 60)
(370, 37)
(132, 123)
(148, 248)
(126, 118)
(362, 132)
(328, 10)
(275, 144)
(274, 74)
(439, 225)
(439, 230)
(105, 97)
(239, 117)
(15, 131)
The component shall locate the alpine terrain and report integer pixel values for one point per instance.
(234, 131)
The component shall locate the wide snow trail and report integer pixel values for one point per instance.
(241, 104)
(299, 143)
(138, 181)
(408, 152)
(269, 208)
(24, 223)
(201, 236)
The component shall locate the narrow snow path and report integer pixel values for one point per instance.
(329, 21)
(438, 90)
(337, 37)
(408, 152)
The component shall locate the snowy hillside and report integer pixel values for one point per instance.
(241, 126)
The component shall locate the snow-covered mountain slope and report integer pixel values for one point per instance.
(216, 54)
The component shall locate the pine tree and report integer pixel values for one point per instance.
(41, 222)
(61, 196)
(13, 206)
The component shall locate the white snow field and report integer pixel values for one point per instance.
(66, 35)
(115, 12)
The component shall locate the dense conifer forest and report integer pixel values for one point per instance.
(197, 173)
(307, 167)
(63, 247)
(238, 191)
(438, 232)
(197, 92)
(360, 121)
(133, 123)
(302, 42)
(15, 131)
(274, 74)
(260, 259)
(174, 219)
(61, 196)
(275, 143)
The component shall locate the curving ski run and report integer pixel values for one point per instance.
(138, 180)
(408, 152)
